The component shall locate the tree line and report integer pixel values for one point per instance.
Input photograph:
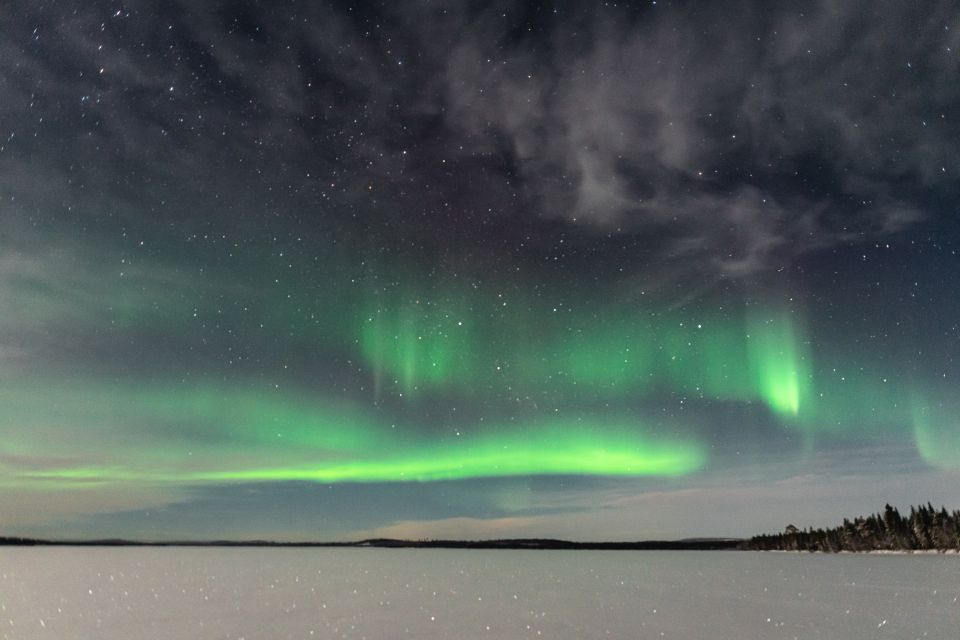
(926, 528)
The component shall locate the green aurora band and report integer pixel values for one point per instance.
(554, 450)
(225, 435)
(484, 347)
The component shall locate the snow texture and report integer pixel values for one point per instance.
(417, 593)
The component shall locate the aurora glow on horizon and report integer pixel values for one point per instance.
(587, 272)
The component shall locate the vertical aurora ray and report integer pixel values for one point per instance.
(936, 432)
(421, 342)
(779, 364)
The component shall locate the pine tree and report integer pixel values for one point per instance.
(925, 528)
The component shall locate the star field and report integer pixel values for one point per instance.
(313, 270)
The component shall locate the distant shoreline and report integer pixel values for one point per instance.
(925, 530)
(698, 544)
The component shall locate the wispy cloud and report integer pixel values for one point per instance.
(684, 126)
(740, 145)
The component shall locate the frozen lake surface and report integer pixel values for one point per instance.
(273, 594)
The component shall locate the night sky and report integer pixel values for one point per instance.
(306, 270)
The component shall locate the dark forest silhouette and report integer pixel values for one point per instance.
(925, 528)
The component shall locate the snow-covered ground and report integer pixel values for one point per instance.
(273, 594)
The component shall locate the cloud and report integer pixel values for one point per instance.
(732, 141)
(746, 140)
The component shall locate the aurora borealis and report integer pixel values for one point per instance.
(323, 270)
